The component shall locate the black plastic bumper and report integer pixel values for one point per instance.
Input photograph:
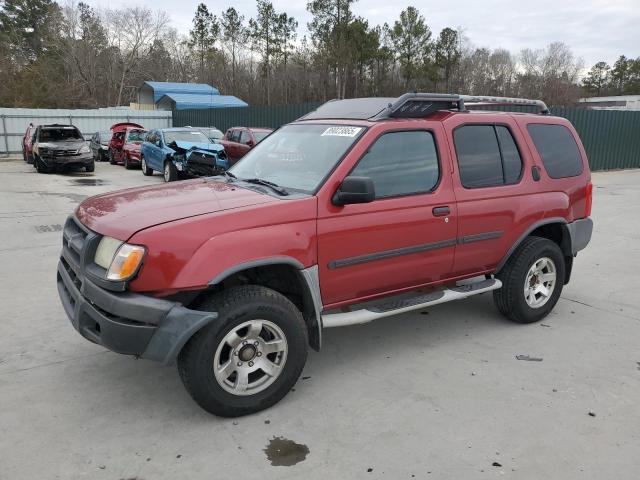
(58, 161)
(125, 322)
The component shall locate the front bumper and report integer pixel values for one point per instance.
(60, 160)
(124, 322)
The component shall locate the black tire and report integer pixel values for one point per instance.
(112, 160)
(145, 168)
(510, 299)
(41, 167)
(24, 155)
(90, 167)
(236, 306)
(170, 173)
(127, 165)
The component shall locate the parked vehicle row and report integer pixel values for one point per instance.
(175, 152)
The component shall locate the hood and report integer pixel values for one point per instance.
(122, 213)
(212, 147)
(73, 143)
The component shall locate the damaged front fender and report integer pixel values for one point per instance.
(199, 161)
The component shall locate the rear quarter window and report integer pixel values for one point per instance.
(557, 148)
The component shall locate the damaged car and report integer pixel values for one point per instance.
(60, 147)
(181, 152)
(124, 146)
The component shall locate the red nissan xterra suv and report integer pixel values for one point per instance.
(362, 209)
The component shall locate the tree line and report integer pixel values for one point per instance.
(71, 55)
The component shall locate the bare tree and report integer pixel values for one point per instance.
(130, 31)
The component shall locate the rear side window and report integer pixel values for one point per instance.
(557, 148)
(487, 156)
(401, 163)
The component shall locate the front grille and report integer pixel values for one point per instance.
(65, 153)
(78, 248)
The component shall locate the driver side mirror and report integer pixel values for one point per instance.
(354, 190)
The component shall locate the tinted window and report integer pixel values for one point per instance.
(401, 163)
(511, 161)
(478, 156)
(558, 150)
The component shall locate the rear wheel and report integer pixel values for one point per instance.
(145, 168)
(170, 171)
(127, 165)
(532, 281)
(112, 159)
(90, 167)
(250, 357)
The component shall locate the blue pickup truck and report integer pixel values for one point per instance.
(181, 152)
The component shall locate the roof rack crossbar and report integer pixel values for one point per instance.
(487, 100)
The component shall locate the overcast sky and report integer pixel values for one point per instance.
(594, 29)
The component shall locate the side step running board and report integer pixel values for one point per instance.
(397, 306)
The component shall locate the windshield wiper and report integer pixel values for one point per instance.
(273, 186)
(228, 174)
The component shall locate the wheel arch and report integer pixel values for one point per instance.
(287, 276)
(554, 229)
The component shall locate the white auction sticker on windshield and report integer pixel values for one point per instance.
(341, 131)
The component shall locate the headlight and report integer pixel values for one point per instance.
(121, 260)
(84, 149)
(126, 262)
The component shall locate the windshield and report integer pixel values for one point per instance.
(298, 156)
(193, 136)
(259, 135)
(213, 133)
(57, 134)
(136, 136)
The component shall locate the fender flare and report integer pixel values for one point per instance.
(309, 280)
(566, 238)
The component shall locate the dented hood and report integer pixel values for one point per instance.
(122, 213)
(212, 147)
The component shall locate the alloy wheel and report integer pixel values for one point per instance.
(250, 357)
(540, 282)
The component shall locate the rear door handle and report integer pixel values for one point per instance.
(441, 211)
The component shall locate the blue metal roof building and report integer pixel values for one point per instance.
(172, 96)
(182, 101)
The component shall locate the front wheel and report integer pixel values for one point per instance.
(41, 167)
(127, 165)
(532, 281)
(90, 167)
(112, 160)
(170, 171)
(145, 168)
(250, 357)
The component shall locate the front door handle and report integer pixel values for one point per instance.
(441, 211)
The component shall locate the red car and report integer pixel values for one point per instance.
(27, 143)
(362, 209)
(239, 140)
(124, 147)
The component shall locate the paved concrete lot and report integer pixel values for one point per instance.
(434, 395)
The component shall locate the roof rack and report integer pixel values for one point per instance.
(416, 104)
(483, 100)
(410, 105)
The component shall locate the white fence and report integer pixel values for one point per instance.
(14, 122)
